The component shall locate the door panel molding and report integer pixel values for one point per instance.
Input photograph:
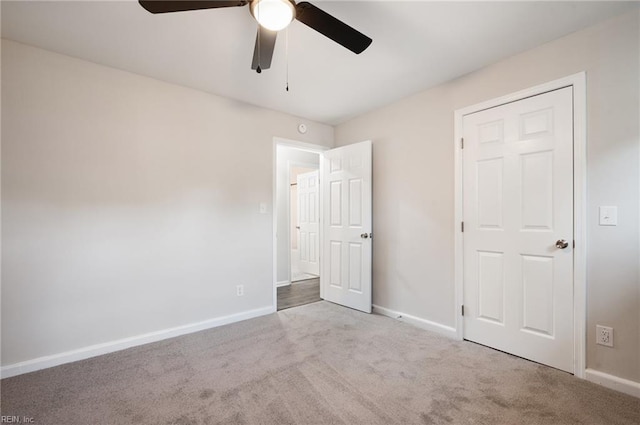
(308, 195)
(531, 126)
(346, 187)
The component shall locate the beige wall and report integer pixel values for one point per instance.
(128, 205)
(414, 183)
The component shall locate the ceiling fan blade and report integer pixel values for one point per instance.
(263, 50)
(331, 27)
(165, 6)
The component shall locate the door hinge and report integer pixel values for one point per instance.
(462, 226)
(574, 244)
(463, 310)
(462, 143)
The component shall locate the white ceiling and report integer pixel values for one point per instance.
(416, 45)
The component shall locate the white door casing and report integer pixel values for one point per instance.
(346, 184)
(517, 202)
(308, 222)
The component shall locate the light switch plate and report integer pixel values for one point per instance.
(263, 207)
(608, 216)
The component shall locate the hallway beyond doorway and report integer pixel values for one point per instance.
(299, 293)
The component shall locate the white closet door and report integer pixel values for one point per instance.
(518, 228)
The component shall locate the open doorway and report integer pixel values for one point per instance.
(345, 222)
(298, 226)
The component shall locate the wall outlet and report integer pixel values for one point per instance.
(604, 335)
(240, 290)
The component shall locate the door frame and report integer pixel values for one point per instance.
(578, 83)
(303, 146)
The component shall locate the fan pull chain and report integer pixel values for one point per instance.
(258, 69)
(287, 55)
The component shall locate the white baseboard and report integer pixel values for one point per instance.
(121, 344)
(417, 321)
(615, 383)
(283, 283)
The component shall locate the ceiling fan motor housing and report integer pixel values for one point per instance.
(274, 15)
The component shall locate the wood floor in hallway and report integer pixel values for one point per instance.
(299, 293)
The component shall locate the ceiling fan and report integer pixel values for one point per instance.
(273, 16)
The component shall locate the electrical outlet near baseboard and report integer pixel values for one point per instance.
(604, 335)
(240, 290)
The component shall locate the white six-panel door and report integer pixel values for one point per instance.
(517, 205)
(308, 222)
(347, 225)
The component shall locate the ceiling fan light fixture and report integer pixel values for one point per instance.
(273, 15)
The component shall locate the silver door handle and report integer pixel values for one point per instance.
(562, 244)
(298, 227)
(364, 235)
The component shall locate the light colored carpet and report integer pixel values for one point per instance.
(315, 364)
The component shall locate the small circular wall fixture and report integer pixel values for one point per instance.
(302, 128)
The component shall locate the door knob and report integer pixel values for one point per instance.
(364, 235)
(562, 244)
